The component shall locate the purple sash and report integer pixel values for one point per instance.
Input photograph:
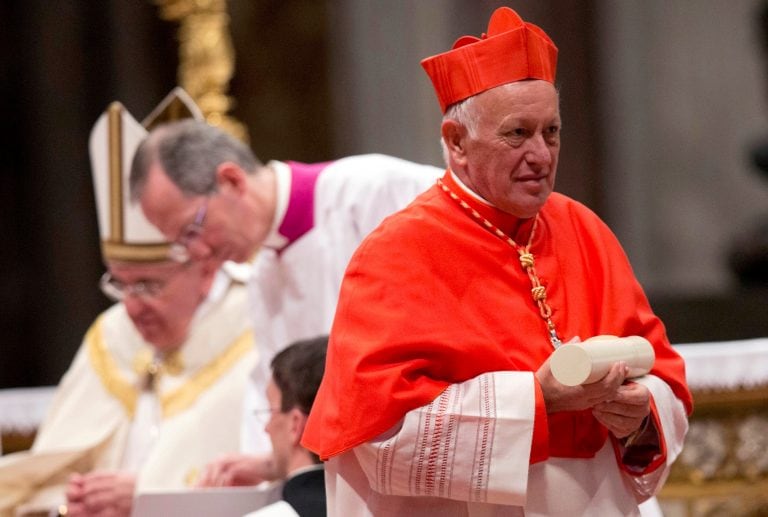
(300, 214)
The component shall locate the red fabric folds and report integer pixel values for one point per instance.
(431, 298)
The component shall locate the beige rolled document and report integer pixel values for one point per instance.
(588, 361)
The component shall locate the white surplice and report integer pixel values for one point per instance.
(466, 454)
(295, 286)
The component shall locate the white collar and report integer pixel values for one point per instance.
(283, 186)
(228, 273)
(469, 191)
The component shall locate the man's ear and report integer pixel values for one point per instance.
(230, 177)
(298, 422)
(454, 135)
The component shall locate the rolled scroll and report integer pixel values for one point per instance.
(588, 361)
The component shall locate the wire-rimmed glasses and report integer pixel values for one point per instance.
(179, 249)
(116, 290)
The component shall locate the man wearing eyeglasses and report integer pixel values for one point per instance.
(210, 195)
(134, 410)
(296, 374)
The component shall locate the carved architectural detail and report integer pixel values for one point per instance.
(723, 469)
(206, 57)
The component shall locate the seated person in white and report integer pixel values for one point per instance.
(133, 410)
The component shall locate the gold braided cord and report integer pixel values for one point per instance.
(538, 291)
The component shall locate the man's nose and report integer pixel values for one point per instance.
(199, 250)
(134, 304)
(539, 152)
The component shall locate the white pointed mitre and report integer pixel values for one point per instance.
(126, 235)
(176, 106)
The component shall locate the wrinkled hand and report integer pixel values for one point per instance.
(558, 397)
(625, 412)
(620, 407)
(238, 470)
(100, 494)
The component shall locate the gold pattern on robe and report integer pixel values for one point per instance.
(106, 368)
(175, 401)
(193, 474)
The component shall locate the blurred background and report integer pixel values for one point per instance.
(663, 103)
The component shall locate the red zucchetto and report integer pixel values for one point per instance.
(512, 50)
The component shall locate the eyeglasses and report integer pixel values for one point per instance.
(264, 414)
(116, 290)
(179, 250)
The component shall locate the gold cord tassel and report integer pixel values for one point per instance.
(538, 291)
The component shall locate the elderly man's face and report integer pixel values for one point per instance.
(163, 315)
(207, 227)
(511, 160)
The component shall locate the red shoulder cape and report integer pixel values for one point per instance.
(431, 298)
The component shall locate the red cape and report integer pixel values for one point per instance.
(431, 298)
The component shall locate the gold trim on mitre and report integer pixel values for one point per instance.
(115, 153)
(126, 235)
(120, 251)
(122, 225)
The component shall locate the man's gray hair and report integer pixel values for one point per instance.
(189, 151)
(464, 113)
